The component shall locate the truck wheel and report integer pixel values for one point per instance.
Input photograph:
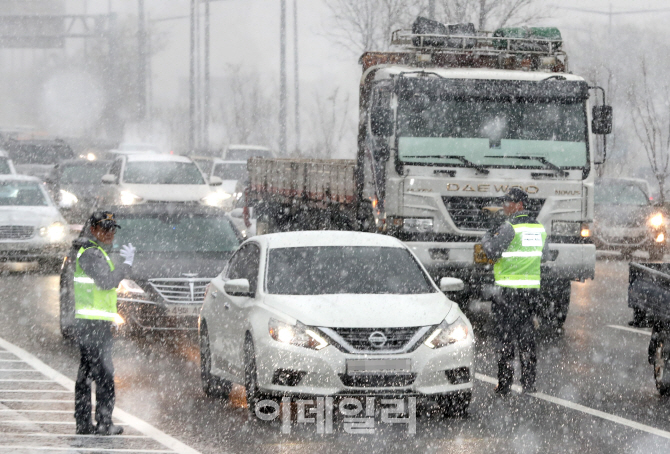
(554, 304)
(661, 368)
(212, 385)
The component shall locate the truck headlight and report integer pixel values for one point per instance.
(215, 199)
(128, 198)
(417, 225)
(657, 220)
(298, 335)
(55, 232)
(129, 287)
(446, 334)
(571, 228)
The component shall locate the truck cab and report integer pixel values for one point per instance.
(447, 130)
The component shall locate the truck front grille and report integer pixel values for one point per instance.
(468, 212)
(16, 232)
(181, 290)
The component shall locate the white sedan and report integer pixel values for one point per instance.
(334, 313)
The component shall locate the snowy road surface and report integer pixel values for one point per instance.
(595, 390)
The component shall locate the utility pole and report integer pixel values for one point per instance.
(207, 92)
(142, 62)
(431, 9)
(296, 75)
(282, 79)
(191, 83)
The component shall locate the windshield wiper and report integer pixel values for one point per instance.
(541, 159)
(465, 162)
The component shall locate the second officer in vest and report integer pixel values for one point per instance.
(517, 246)
(96, 278)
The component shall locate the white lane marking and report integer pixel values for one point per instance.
(583, 409)
(133, 421)
(48, 448)
(632, 330)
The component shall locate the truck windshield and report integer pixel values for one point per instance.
(331, 270)
(620, 194)
(483, 126)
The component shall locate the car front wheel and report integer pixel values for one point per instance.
(212, 385)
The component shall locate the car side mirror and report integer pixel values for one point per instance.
(215, 181)
(602, 120)
(237, 213)
(451, 284)
(381, 121)
(109, 179)
(237, 287)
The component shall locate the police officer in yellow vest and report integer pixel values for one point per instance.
(518, 246)
(95, 282)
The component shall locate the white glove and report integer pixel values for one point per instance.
(128, 252)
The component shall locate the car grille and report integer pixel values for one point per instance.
(359, 338)
(468, 213)
(377, 380)
(180, 290)
(16, 232)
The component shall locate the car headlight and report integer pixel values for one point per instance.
(129, 287)
(67, 199)
(128, 198)
(55, 232)
(215, 199)
(298, 335)
(446, 334)
(657, 220)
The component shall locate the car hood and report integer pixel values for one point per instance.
(168, 192)
(363, 311)
(153, 265)
(631, 216)
(35, 170)
(35, 216)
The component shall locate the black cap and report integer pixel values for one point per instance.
(515, 195)
(104, 219)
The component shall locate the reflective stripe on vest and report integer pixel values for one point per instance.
(91, 302)
(519, 266)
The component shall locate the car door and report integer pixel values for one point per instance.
(233, 309)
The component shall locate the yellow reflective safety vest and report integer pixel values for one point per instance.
(519, 266)
(91, 302)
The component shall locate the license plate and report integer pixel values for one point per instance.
(480, 255)
(178, 310)
(373, 366)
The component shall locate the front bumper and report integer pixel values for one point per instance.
(31, 250)
(323, 372)
(154, 316)
(570, 261)
(628, 238)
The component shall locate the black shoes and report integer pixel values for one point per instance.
(529, 389)
(108, 429)
(502, 391)
(85, 428)
(640, 323)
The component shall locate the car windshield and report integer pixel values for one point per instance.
(176, 233)
(620, 194)
(85, 174)
(228, 171)
(160, 172)
(21, 193)
(242, 154)
(328, 270)
(40, 153)
(4, 166)
(490, 130)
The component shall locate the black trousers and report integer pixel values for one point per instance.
(513, 313)
(95, 345)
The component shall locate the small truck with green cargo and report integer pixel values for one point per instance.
(450, 121)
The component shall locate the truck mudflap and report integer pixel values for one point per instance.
(568, 261)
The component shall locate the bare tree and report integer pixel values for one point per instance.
(363, 25)
(651, 119)
(492, 14)
(329, 124)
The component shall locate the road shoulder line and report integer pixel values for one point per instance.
(583, 409)
(632, 330)
(135, 422)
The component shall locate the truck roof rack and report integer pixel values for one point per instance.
(481, 50)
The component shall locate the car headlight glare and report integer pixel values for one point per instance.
(657, 220)
(129, 287)
(128, 198)
(215, 199)
(55, 232)
(446, 334)
(298, 335)
(67, 199)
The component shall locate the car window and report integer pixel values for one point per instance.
(245, 264)
(228, 171)
(4, 167)
(86, 174)
(330, 270)
(21, 193)
(152, 172)
(39, 152)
